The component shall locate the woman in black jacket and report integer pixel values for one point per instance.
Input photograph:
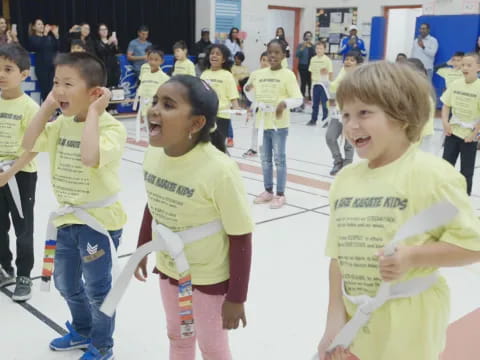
(43, 40)
(106, 49)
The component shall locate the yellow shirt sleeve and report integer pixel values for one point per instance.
(231, 201)
(330, 65)
(231, 87)
(293, 90)
(446, 98)
(48, 136)
(112, 142)
(331, 249)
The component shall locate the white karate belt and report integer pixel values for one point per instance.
(467, 125)
(5, 165)
(163, 240)
(264, 108)
(429, 219)
(141, 103)
(80, 211)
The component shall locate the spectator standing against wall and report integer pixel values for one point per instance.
(425, 48)
(106, 48)
(352, 43)
(305, 51)
(136, 53)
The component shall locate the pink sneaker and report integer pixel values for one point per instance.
(278, 202)
(263, 198)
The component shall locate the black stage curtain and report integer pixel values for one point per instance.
(168, 20)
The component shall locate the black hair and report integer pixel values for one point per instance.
(239, 55)
(16, 54)
(230, 36)
(78, 42)
(280, 42)
(142, 28)
(91, 68)
(402, 54)
(427, 25)
(265, 53)
(100, 25)
(154, 49)
(305, 34)
(283, 33)
(203, 101)
(417, 64)
(227, 65)
(356, 55)
(459, 53)
(180, 45)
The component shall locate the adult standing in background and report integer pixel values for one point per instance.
(233, 43)
(280, 35)
(82, 32)
(425, 48)
(106, 49)
(137, 49)
(305, 51)
(200, 49)
(43, 40)
(7, 36)
(352, 43)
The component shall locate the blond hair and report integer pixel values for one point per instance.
(401, 92)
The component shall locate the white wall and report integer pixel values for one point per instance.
(401, 31)
(254, 14)
(205, 17)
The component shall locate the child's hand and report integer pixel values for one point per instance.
(394, 267)
(232, 313)
(324, 71)
(50, 102)
(470, 138)
(101, 103)
(141, 271)
(447, 129)
(280, 108)
(323, 347)
(340, 354)
(5, 178)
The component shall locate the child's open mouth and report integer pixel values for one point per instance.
(362, 141)
(64, 105)
(155, 128)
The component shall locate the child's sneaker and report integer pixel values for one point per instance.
(23, 289)
(6, 277)
(249, 153)
(263, 198)
(94, 354)
(278, 202)
(230, 142)
(71, 341)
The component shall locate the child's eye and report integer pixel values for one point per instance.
(364, 112)
(69, 84)
(168, 105)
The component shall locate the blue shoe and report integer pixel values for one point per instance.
(94, 354)
(71, 341)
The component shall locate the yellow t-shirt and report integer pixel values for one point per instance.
(450, 75)
(150, 82)
(317, 64)
(15, 116)
(464, 99)
(271, 88)
(429, 128)
(184, 67)
(180, 201)
(223, 83)
(144, 68)
(239, 72)
(335, 83)
(367, 207)
(74, 183)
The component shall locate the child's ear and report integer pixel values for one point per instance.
(24, 74)
(96, 91)
(198, 123)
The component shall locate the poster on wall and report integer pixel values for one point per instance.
(471, 6)
(228, 14)
(332, 25)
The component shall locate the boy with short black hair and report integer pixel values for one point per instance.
(18, 171)
(85, 145)
(451, 70)
(77, 46)
(463, 98)
(183, 65)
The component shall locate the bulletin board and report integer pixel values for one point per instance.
(332, 25)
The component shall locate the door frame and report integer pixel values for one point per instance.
(296, 32)
(386, 15)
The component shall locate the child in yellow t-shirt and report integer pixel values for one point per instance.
(18, 171)
(183, 65)
(218, 75)
(250, 93)
(462, 97)
(185, 141)
(276, 92)
(335, 127)
(85, 144)
(240, 72)
(369, 203)
(451, 70)
(321, 69)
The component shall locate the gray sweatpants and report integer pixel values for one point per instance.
(334, 131)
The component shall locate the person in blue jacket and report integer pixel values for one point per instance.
(352, 43)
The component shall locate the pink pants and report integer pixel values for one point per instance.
(207, 312)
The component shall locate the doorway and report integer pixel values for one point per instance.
(400, 29)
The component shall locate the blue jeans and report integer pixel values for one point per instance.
(319, 95)
(230, 130)
(274, 145)
(84, 251)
